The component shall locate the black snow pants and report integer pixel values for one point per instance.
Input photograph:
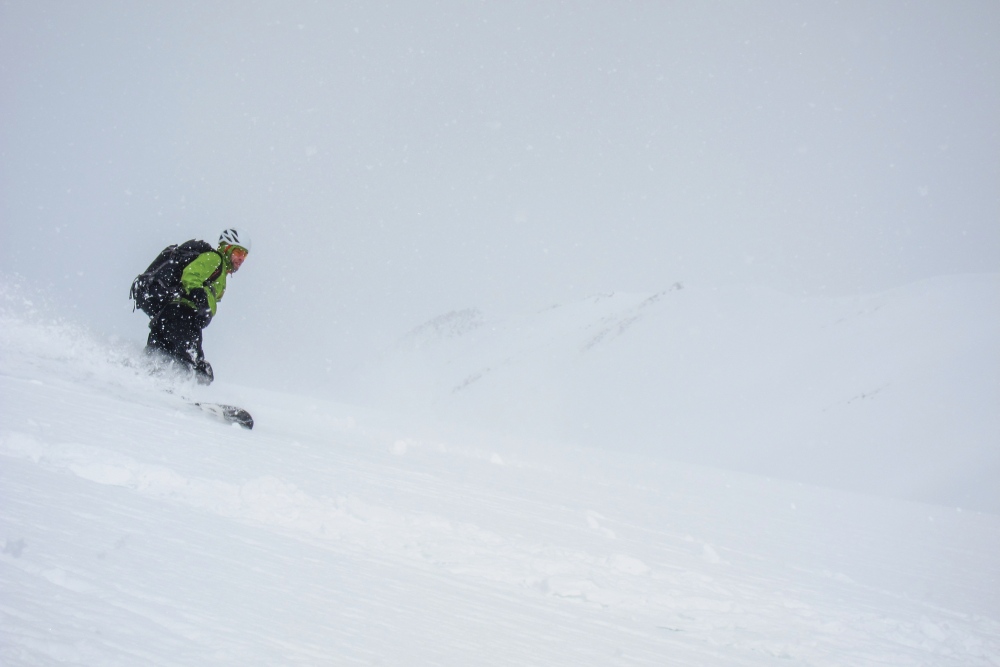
(175, 334)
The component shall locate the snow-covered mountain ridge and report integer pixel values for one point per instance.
(137, 531)
(893, 393)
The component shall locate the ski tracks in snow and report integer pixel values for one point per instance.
(376, 548)
(681, 592)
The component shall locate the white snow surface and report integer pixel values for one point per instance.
(138, 531)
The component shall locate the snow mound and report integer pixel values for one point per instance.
(136, 531)
(892, 394)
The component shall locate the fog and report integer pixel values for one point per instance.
(393, 161)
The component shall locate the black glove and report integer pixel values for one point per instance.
(202, 310)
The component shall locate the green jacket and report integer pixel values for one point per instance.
(198, 276)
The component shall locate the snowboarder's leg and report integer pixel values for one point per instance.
(175, 335)
(203, 372)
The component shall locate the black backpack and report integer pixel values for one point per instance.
(161, 282)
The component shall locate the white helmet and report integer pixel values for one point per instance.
(234, 236)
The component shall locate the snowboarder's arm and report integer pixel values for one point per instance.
(200, 270)
(196, 281)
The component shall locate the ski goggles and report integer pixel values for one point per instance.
(237, 256)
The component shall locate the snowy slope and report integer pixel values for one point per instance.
(137, 531)
(893, 393)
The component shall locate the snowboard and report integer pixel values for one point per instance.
(228, 413)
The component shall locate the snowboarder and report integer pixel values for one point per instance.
(180, 292)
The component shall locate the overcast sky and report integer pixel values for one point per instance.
(393, 161)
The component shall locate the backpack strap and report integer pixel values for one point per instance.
(218, 271)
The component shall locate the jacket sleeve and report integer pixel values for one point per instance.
(196, 283)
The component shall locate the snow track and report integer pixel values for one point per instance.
(135, 531)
